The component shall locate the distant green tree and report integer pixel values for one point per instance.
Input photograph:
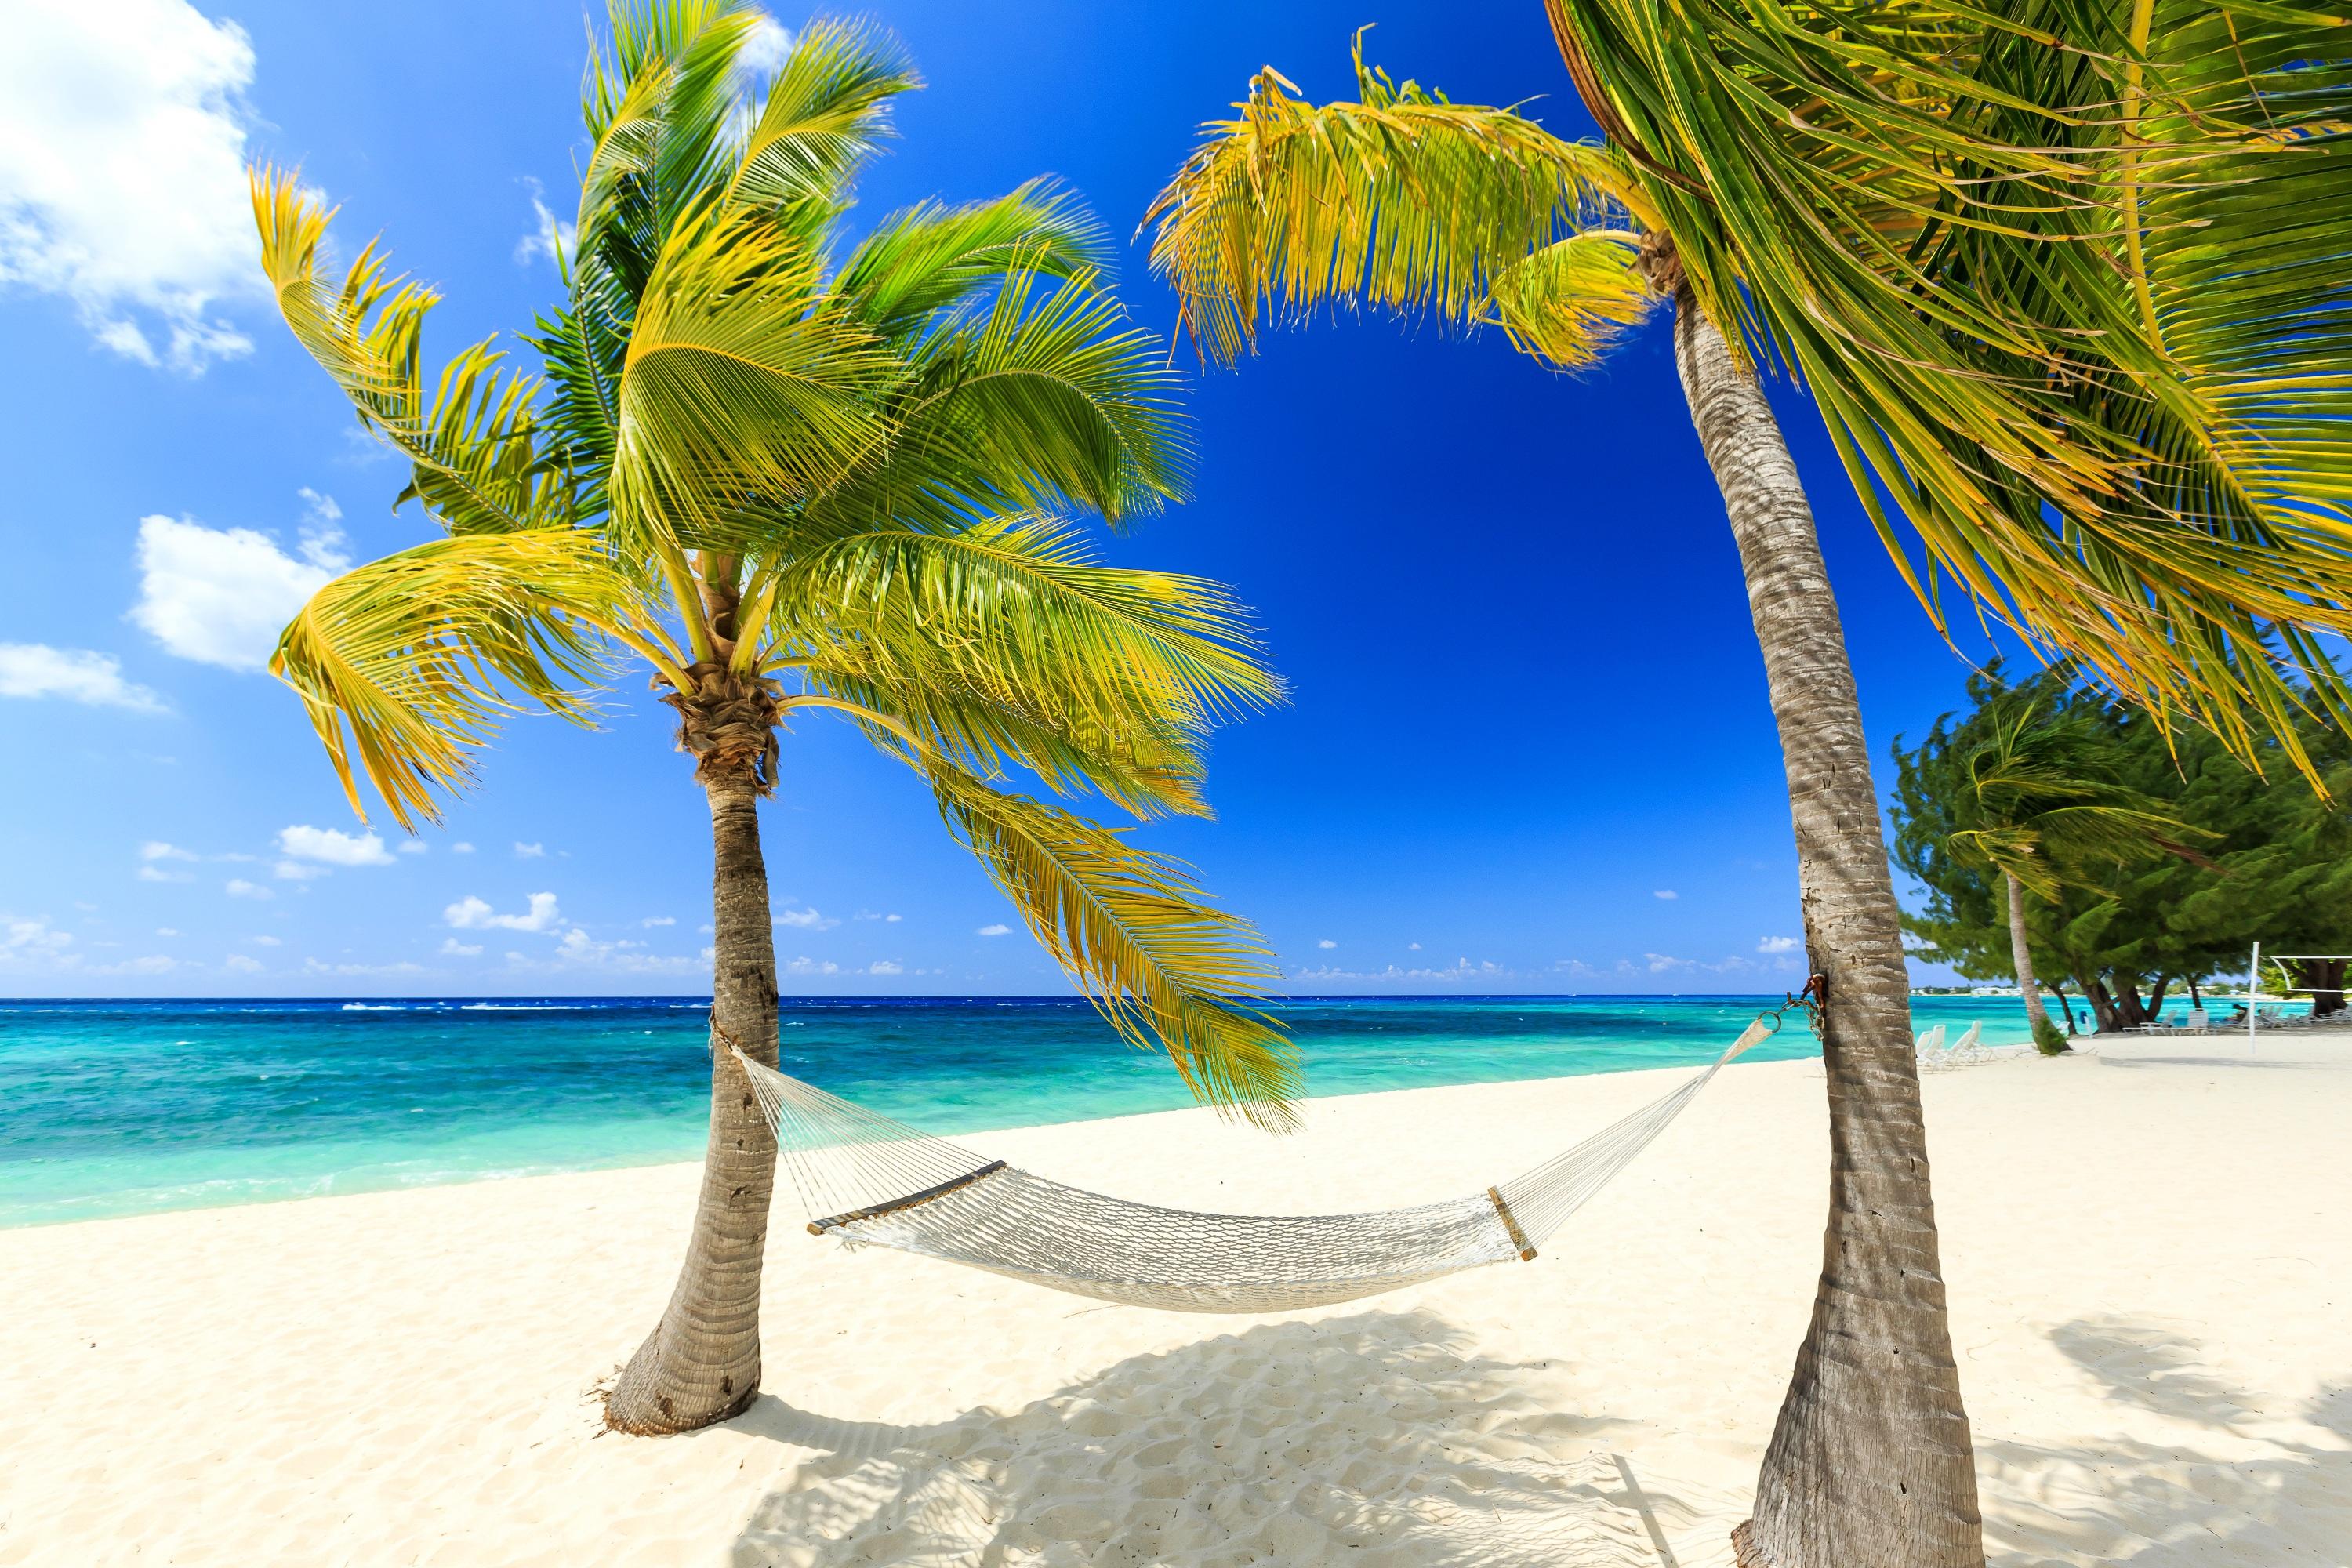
(2040, 799)
(2272, 862)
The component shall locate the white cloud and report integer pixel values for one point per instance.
(1326, 942)
(530, 852)
(994, 931)
(472, 914)
(652, 921)
(1666, 893)
(238, 887)
(265, 940)
(1777, 944)
(1413, 947)
(123, 154)
(31, 941)
(891, 917)
(805, 919)
(221, 596)
(578, 950)
(332, 847)
(764, 52)
(298, 871)
(1661, 963)
(455, 949)
(76, 675)
(1454, 973)
(461, 847)
(412, 847)
(811, 967)
(166, 930)
(151, 872)
(313, 966)
(242, 964)
(552, 238)
(156, 850)
(886, 966)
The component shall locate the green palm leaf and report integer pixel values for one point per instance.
(733, 384)
(826, 113)
(931, 257)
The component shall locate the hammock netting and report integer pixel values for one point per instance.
(869, 1181)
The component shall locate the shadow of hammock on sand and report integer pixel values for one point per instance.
(2269, 1499)
(1378, 1440)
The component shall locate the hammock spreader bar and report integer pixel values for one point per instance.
(819, 1227)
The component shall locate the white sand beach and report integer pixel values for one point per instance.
(2147, 1257)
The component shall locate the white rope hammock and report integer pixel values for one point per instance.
(872, 1182)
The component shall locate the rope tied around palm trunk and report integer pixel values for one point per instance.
(729, 723)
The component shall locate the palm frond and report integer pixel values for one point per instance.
(1146, 765)
(663, 115)
(473, 446)
(1977, 237)
(931, 257)
(825, 114)
(1162, 966)
(1402, 201)
(407, 661)
(1571, 302)
(1014, 608)
(1041, 403)
(734, 385)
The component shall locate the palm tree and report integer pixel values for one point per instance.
(2006, 264)
(793, 488)
(2039, 796)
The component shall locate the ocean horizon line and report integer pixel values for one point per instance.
(923, 996)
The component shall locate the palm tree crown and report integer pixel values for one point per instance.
(2128, 440)
(797, 474)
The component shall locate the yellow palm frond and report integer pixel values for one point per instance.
(1164, 967)
(1014, 608)
(1571, 301)
(1402, 201)
(402, 662)
(472, 447)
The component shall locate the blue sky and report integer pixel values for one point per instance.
(1528, 747)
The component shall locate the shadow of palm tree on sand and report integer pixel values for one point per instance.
(2260, 1496)
(1379, 1440)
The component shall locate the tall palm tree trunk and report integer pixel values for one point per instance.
(701, 1364)
(2020, 952)
(1870, 1462)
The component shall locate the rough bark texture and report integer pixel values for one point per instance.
(701, 1364)
(2021, 953)
(1871, 1465)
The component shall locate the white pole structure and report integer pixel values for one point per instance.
(2254, 998)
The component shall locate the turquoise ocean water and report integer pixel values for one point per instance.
(113, 1107)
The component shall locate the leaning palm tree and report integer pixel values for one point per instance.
(2039, 796)
(792, 486)
(2075, 309)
